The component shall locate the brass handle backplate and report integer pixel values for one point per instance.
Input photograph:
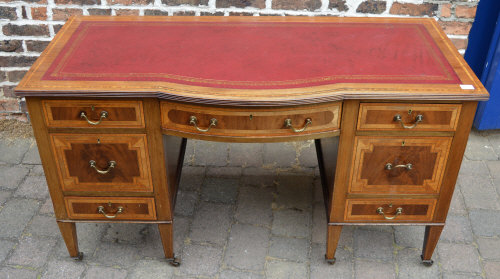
(389, 166)
(288, 124)
(418, 119)
(399, 211)
(100, 209)
(104, 115)
(194, 121)
(111, 165)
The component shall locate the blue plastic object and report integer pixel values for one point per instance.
(483, 55)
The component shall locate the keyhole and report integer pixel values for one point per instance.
(98, 141)
(251, 116)
(403, 143)
(410, 111)
(92, 107)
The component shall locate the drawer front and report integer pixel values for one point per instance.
(433, 117)
(93, 113)
(103, 162)
(398, 165)
(110, 208)
(254, 123)
(389, 210)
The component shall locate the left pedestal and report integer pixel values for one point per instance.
(108, 161)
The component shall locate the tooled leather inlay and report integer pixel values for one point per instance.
(258, 55)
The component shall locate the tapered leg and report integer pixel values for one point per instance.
(68, 231)
(167, 240)
(332, 241)
(431, 238)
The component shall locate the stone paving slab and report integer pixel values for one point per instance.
(250, 211)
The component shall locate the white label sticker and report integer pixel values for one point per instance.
(467, 86)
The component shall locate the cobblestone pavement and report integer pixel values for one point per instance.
(249, 211)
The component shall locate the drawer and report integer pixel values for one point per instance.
(110, 208)
(233, 122)
(81, 113)
(420, 117)
(102, 162)
(389, 210)
(398, 165)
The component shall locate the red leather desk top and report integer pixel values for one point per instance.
(242, 55)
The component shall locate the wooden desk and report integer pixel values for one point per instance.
(389, 103)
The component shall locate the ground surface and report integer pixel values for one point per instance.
(246, 211)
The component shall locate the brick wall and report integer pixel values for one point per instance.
(27, 26)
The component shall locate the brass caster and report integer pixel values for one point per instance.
(330, 261)
(174, 261)
(426, 262)
(79, 257)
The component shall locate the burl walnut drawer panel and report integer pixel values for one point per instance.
(93, 113)
(103, 162)
(383, 210)
(250, 122)
(422, 117)
(398, 165)
(110, 208)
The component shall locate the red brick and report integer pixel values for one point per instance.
(372, 7)
(25, 30)
(9, 104)
(446, 10)
(184, 13)
(338, 4)
(37, 46)
(460, 43)
(11, 46)
(17, 61)
(126, 12)
(64, 14)
(240, 14)
(39, 13)
(8, 13)
(189, 2)
(261, 4)
(465, 11)
(426, 9)
(3, 76)
(99, 11)
(130, 2)
(155, 13)
(16, 76)
(78, 2)
(455, 27)
(309, 5)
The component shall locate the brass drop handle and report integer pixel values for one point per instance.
(418, 119)
(104, 115)
(194, 121)
(399, 211)
(111, 165)
(389, 166)
(101, 210)
(288, 124)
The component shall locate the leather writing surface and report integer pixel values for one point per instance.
(252, 55)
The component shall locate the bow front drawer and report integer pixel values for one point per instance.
(398, 165)
(103, 162)
(419, 117)
(389, 210)
(93, 113)
(185, 120)
(110, 208)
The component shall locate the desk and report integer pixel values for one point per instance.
(389, 103)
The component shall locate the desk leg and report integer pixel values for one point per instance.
(68, 231)
(333, 236)
(431, 238)
(167, 240)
